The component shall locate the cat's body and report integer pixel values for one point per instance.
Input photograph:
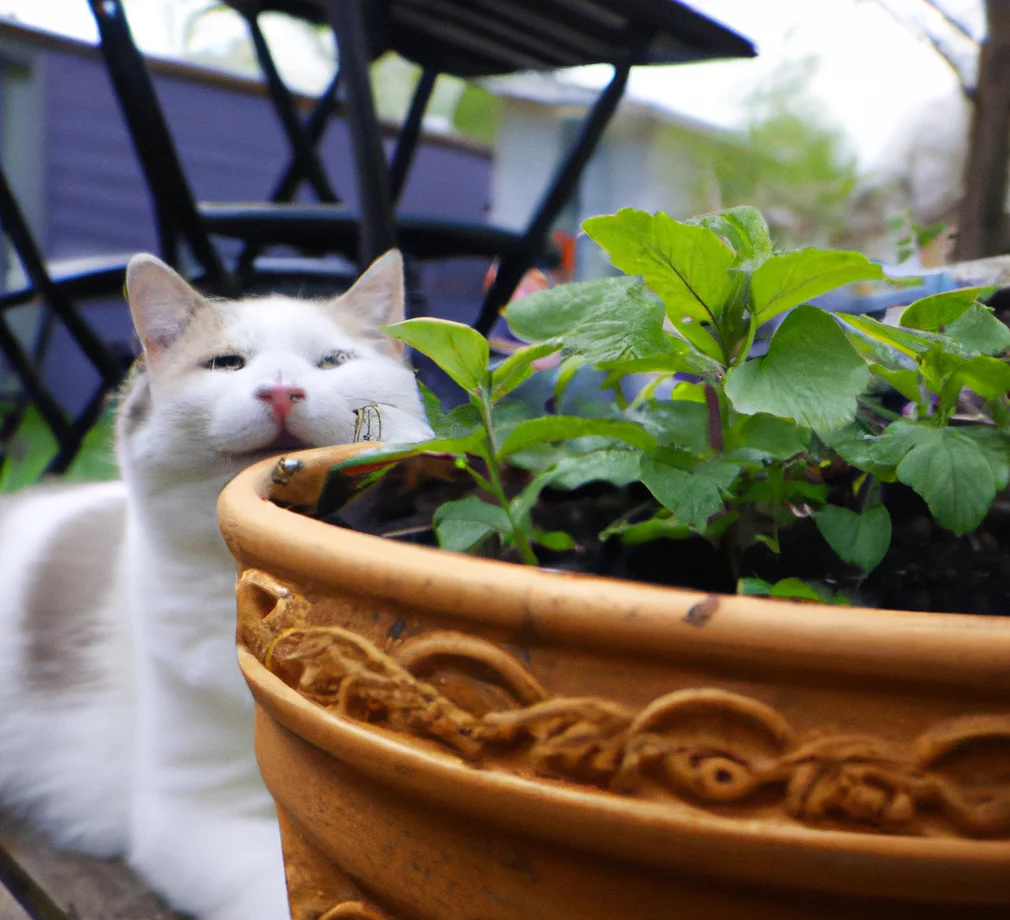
(125, 727)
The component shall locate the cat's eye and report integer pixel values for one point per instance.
(224, 363)
(334, 359)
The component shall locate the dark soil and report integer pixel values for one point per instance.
(927, 568)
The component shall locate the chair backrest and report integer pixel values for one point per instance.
(175, 207)
(26, 363)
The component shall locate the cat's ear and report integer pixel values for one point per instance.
(377, 297)
(161, 302)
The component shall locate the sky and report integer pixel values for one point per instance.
(874, 79)
(874, 75)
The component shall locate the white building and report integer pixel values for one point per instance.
(649, 157)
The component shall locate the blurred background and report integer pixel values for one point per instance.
(854, 113)
(876, 125)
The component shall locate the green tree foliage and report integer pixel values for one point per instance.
(792, 164)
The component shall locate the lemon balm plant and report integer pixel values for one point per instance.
(729, 445)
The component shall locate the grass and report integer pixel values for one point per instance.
(32, 446)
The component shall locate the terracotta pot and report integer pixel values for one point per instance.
(449, 737)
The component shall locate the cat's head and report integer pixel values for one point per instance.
(224, 383)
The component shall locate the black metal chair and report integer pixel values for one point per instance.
(57, 289)
(466, 38)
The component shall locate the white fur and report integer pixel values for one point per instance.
(154, 759)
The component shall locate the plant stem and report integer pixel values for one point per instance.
(521, 537)
(715, 433)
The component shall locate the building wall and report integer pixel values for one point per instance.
(644, 161)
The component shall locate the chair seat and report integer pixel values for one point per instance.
(78, 278)
(334, 228)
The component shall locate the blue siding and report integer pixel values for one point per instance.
(96, 201)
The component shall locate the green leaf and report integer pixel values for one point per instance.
(687, 266)
(464, 524)
(699, 336)
(799, 590)
(936, 312)
(859, 539)
(768, 541)
(459, 422)
(796, 490)
(857, 446)
(787, 280)
(956, 474)
(676, 424)
(906, 382)
(570, 366)
(989, 377)
(745, 230)
(357, 473)
(905, 341)
(473, 442)
(604, 320)
(682, 359)
(693, 496)
(460, 351)
(562, 427)
(618, 467)
(659, 527)
(754, 586)
(795, 589)
(947, 373)
(556, 540)
(995, 444)
(875, 351)
(779, 438)
(685, 391)
(811, 374)
(432, 407)
(522, 505)
(517, 368)
(978, 331)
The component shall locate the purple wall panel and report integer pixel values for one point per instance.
(95, 197)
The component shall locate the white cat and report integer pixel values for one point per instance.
(125, 727)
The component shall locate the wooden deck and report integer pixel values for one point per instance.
(85, 888)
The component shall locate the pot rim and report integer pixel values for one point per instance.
(758, 634)
(669, 835)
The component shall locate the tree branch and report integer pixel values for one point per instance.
(949, 18)
(920, 31)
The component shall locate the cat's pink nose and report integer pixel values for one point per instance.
(281, 398)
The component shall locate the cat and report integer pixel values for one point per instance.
(125, 726)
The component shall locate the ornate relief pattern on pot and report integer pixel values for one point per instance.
(706, 747)
(354, 910)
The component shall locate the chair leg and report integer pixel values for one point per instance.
(288, 184)
(374, 201)
(302, 146)
(410, 134)
(565, 180)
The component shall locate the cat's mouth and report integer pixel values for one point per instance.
(285, 441)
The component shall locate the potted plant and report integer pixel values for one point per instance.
(469, 737)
